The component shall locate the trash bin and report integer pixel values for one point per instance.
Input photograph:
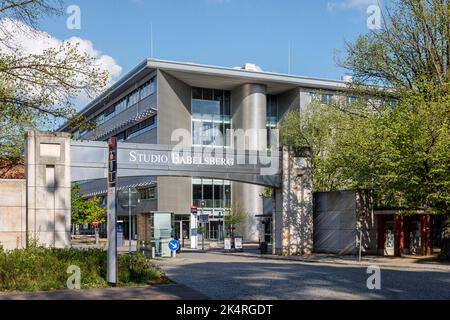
(263, 247)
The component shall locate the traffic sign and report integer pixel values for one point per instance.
(194, 210)
(174, 245)
(95, 222)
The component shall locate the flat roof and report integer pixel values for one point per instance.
(199, 75)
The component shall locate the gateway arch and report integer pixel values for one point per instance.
(54, 161)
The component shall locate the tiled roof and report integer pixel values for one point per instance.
(10, 169)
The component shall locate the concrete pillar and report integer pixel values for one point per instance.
(47, 170)
(293, 212)
(249, 114)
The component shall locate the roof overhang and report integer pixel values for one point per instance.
(214, 77)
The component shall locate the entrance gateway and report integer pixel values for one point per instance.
(53, 161)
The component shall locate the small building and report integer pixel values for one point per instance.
(415, 233)
(341, 217)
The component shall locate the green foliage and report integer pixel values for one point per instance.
(84, 211)
(37, 91)
(235, 215)
(37, 268)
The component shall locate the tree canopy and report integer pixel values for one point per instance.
(37, 90)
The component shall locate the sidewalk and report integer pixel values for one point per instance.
(158, 292)
(410, 262)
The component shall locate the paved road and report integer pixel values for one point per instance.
(220, 276)
(157, 292)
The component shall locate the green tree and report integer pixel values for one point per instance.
(395, 138)
(38, 90)
(235, 215)
(84, 211)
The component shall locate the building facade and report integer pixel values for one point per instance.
(159, 99)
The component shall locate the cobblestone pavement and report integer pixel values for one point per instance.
(231, 276)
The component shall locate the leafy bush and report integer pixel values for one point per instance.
(38, 268)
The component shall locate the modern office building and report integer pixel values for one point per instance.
(158, 97)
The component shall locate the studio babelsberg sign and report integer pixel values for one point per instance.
(178, 158)
(133, 160)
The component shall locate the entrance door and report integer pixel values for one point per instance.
(390, 239)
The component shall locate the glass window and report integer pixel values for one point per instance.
(207, 192)
(197, 93)
(197, 192)
(148, 193)
(205, 107)
(207, 133)
(197, 132)
(326, 98)
(207, 94)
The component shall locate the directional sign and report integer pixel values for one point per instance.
(174, 245)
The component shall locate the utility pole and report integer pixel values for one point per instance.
(111, 270)
(129, 220)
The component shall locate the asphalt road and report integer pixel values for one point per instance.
(220, 276)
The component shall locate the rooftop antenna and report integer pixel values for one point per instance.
(151, 40)
(289, 57)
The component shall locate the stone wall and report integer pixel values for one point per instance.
(12, 213)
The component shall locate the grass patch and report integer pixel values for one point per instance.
(37, 268)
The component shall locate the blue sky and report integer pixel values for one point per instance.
(221, 32)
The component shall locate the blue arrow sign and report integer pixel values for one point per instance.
(174, 245)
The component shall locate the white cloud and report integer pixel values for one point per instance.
(30, 41)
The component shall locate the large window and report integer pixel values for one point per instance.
(137, 129)
(271, 116)
(148, 193)
(128, 101)
(212, 193)
(211, 110)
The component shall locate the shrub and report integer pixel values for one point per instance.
(38, 268)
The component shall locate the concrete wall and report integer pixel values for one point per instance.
(47, 165)
(12, 214)
(337, 224)
(174, 112)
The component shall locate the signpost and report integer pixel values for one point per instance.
(95, 223)
(194, 227)
(111, 270)
(129, 198)
(174, 245)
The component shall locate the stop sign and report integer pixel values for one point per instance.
(95, 222)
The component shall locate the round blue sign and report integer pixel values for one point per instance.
(174, 245)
